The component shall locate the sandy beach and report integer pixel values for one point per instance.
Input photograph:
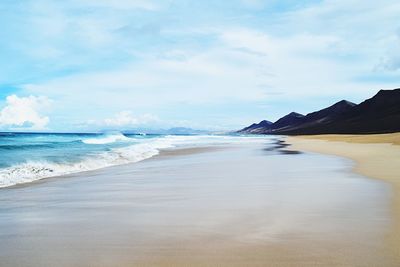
(238, 205)
(376, 156)
(246, 133)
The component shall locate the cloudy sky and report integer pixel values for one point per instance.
(85, 65)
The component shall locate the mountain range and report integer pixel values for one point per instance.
(379, 114)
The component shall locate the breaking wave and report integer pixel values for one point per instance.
(106, 139)
(33, 170)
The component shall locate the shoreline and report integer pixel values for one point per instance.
(166, 152)
(182, 208)
(375, 156)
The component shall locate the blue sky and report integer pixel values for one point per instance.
(85, 65)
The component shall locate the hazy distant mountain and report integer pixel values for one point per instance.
(379, 114)
(175, 130)
(184, 130)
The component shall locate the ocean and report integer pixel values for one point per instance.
(26, 157)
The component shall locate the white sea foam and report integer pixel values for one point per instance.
(106, 139)
(36, 170)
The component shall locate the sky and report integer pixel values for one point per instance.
(91, 65)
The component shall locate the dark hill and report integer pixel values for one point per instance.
(256, 128)
(329, 112)
(321, 117)
(379, 114)
(289, 120)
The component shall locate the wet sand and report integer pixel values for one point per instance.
(376, 156)
(239, 205)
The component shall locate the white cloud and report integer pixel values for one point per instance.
(126, 119)
(298, 65)
(321, 50)
(244, 66)
(212, 76)
(391, 60)
(365, 26)
(24, 112)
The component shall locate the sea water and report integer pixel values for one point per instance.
(26, 157)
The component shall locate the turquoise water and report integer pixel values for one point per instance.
(25, 157)
(16, 148)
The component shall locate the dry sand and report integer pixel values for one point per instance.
(376, 156)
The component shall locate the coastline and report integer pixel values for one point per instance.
(183, 208)
(376, 156)
(165, 152)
